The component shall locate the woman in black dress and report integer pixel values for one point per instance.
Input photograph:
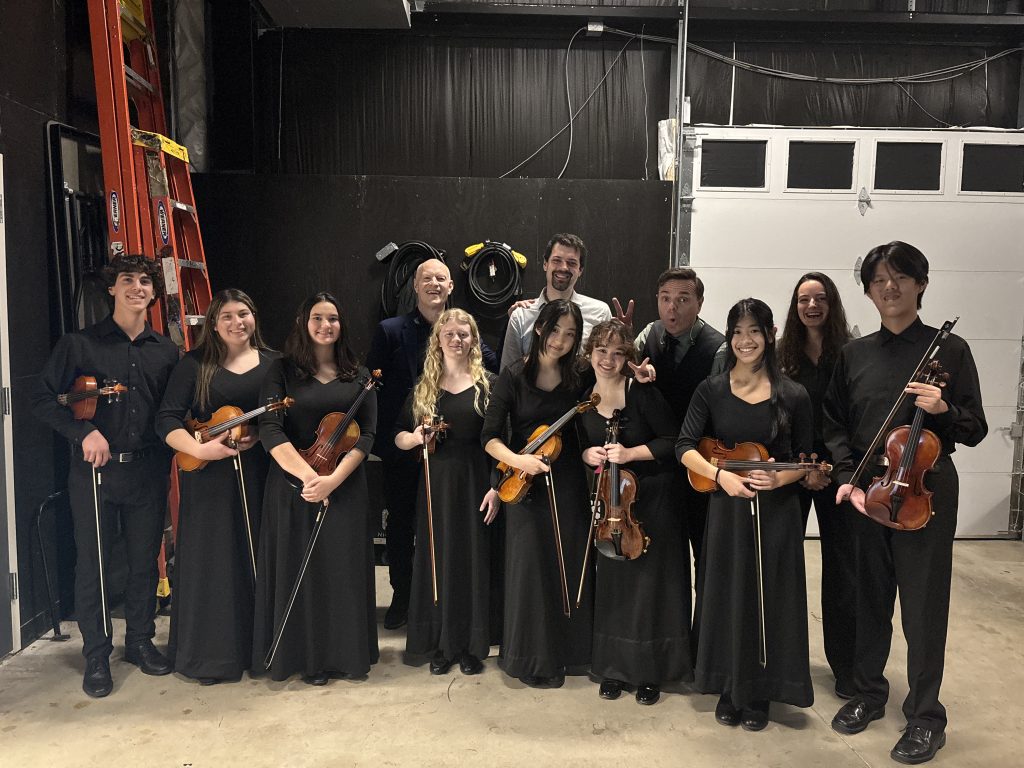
(454, 387)
(540, 643)
(332, 628)
(752, 401)
(642, 606)
(211, 614)
(816, 331)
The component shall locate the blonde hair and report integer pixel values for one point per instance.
(428, 388)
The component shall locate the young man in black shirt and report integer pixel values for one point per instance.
(118, 463)
(868, 379)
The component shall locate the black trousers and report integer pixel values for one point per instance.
(401, 478)
(134, 499)
(917, 564)
(838, 578)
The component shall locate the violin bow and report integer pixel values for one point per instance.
(602, 475)
(762, 643)
(428, 428)
(594, 517)
(321, 515)
(97, 503)
(933, 349)
(553, 504)
(245, 512)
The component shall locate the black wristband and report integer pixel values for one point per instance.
(717, 473)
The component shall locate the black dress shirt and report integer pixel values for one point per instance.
(104, 351)
(868, 378)
(815, 379)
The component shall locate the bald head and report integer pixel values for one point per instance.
(433, 284)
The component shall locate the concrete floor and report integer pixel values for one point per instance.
(404, 716)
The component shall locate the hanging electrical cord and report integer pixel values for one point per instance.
(583, 106)
(568, 99)
(493, 276)
(396, 290)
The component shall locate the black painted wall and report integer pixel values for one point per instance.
(281, 238)
(34, 65)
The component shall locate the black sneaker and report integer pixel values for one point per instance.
(397, 614)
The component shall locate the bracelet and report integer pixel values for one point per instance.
(717, 473)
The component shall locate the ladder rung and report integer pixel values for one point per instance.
(184, 206)
(191, 264)
(158, 143)
(138, 80)
(194, 319)
(133, 18)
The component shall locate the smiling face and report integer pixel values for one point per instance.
(561, 339)
(678, 305)
(236, 324)
(812, 304)
(894, 294)
(324, 324)
(432, 286)
(748, 341)
(563, 268)
(132, 291)
(456, 340)
(608, 358)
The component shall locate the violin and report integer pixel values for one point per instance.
(337, 432)
(617, 534)
(744, 458)
(899, 499)
(85, 393)
(224, 419)
(546, 444)
(433, 428)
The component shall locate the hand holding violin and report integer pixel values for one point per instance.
(595, 456)
(815, 480)
(530, 464)
(319, 487)
(214, 450)
(760, 480)
(734, 485)
(927, 397)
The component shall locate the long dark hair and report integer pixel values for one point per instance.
(298, 349)
(211, 347)
(546, 322)
(761, 314)
(835, 334)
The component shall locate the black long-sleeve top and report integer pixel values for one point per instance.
(103, 350)
(870, 375)
(313, 401)
(815, 379)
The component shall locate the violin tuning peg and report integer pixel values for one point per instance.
(814, 457)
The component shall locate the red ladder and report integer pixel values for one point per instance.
(151, 206)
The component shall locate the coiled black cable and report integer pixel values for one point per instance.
(493, 279)
(397, 296)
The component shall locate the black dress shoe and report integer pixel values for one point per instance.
(439, 664)
(470, 664)
(647, 694)
(610, 689)
(855, 716)
(97, 682)
(917, 745)
(208, 680)
(755, 717)
(397, 614)
(146, 657)
(725, 712)
(317, 678)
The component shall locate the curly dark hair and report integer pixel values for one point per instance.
(135, 263)
(607, 334)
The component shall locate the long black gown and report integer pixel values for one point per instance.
(212, 610)
(538, 639)
(642, 607)
(333, 626)
(459, 478)
(727, 657)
